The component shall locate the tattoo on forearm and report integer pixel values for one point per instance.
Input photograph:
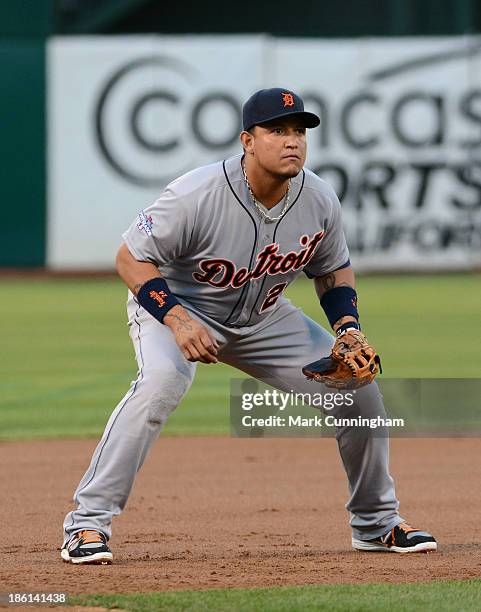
(328, 281)
(182, 324)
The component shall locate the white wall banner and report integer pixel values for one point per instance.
(400, 138)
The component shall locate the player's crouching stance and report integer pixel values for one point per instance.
(228, 239)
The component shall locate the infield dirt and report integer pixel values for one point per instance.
(221, 512)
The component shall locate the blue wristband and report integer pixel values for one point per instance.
(340, 302)
(156, 297)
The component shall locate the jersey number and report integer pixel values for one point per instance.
(272, 295)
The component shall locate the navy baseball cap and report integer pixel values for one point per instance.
(268, 104)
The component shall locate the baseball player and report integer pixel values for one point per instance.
(206, 266)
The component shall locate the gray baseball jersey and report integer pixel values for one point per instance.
(221, 257)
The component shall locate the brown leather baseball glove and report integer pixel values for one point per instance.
(352, 363)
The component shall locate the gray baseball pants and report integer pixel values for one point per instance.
(272, 351)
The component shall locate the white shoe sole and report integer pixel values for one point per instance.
(370, 547)
(103, 558)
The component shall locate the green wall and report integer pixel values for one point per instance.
(27, 18)
(330, 18)
(24, 27)
(22, 152)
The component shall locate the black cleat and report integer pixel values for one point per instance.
(401, 539)
(87, 546)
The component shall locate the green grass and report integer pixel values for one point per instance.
(461, 596)
(66, 358)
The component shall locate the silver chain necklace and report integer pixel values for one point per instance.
(263, 214)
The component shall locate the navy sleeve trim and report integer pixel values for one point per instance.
(344, 265)
(244, 288)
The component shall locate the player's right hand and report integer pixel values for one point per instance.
(194, 339)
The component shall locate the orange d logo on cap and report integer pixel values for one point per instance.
(288, 99)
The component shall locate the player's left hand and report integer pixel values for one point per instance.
(352, 363)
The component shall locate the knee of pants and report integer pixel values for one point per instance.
(365, 402)
(369, 401)
(165, 387)
(368, 406)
